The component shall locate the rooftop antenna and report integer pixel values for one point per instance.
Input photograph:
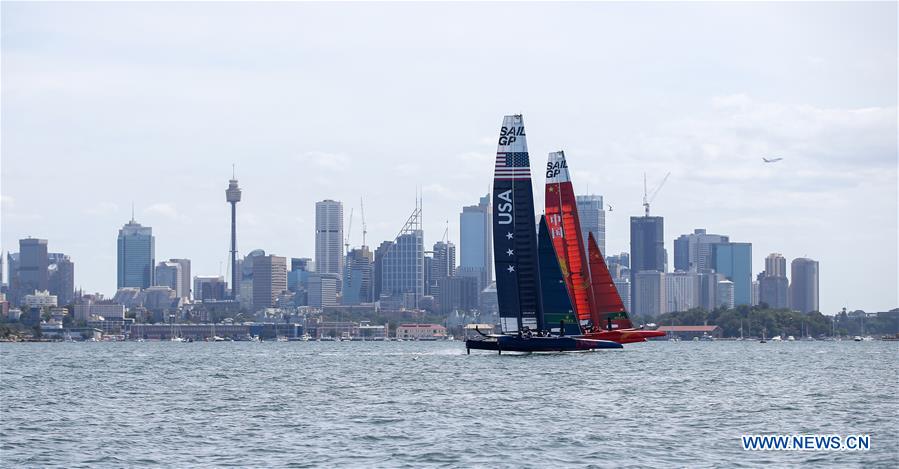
(233, 172)
(132, 211)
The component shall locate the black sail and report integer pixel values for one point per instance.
(514, 233)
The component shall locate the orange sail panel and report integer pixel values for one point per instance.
(565, 231)
(606, 299)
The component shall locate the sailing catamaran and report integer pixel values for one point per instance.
(520, 294)
(598, 306)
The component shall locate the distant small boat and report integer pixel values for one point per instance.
(857, 338)
(777, 338)
(790, 338)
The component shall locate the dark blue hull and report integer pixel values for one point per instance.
(514, 343)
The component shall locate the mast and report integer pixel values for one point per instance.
(514, 233)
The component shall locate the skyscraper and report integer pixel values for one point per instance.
(209, 288)
(378, 268)
(232, 196)
(329, 238)
(357, 278)
(804, 285)
(475, 242)
(32, 271)
(269, 280)
(185, 287)
(403, 265)
(62, 278)
(693, 252)
(245, 283)
(592, 215)
(734, 261)
(443, 265)
(169, 274)
(136, 256)
(725, 294)
(650, 295)
(681, 290)
(773, 283)
(647, 252)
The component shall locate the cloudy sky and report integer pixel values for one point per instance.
(108, 104)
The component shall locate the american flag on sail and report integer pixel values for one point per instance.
(512, 165)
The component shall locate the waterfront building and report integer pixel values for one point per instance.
(40, 299)
(734, 261)
(210, 288)
(693, 252)
(420, 332)
(804, 285)
(61, 278)
(321, 290)
(169, 274)
(647, 253)
(403, 265)
(592, 215)
(681, 290)
(357, 277)
(725, 294)
(136, 256)
(88, 311)
(329, 247)
(475, 242)
(269, 280)
(650, 295)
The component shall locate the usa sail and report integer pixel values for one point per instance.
(514, 233)
(565, 230)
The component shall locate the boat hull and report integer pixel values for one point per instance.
(624, 336)
(514, 343)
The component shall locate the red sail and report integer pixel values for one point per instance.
(606, 299)
(565, 231)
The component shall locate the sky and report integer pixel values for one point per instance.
(107, 104)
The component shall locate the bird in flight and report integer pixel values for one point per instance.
(610, 207)
(771, 160)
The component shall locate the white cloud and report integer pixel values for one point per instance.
(325, 160)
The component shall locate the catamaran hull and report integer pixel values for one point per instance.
(513, 343)
(624, 336)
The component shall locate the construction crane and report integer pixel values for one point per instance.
(648, 198)
(349, 228)
(364, 226)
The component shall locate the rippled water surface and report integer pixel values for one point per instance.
(416, 403)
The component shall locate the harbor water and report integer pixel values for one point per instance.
(413, 404)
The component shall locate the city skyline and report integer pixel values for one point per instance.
(832, 199)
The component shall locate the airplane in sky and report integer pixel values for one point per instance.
(771, 160)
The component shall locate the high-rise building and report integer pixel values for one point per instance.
(185, 287)
(32, 274)
(403, 265)
(443, 265)
(619, 265)
(322, 290)
(650, 293)
(681, 290)
(623, 285)
(457, 293)
(245, 284)
(734, 261)
(707, 280)
(775, 265)
(756, 293)
(209, 288)
(169, 274)
(725, 294)
(378, 268)
(647, 252)
(693, 252)
(232, 196)
(804, 285)
(592, 215)
(269, 280)
(136, 256)
(61, 278)
(475, 242)
(329, 238)
(357, 278)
